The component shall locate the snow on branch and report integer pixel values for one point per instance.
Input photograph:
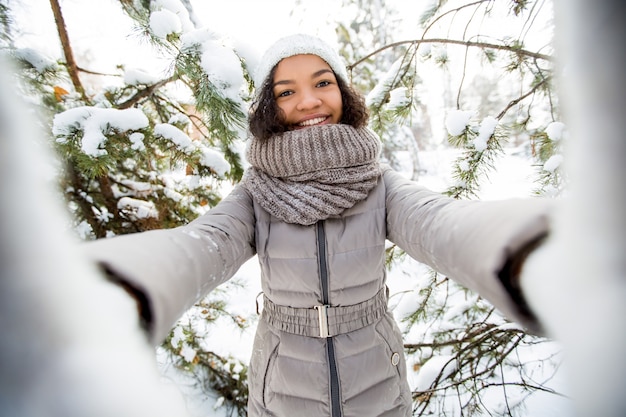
(96, 123)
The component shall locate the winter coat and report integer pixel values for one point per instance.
(359, 370)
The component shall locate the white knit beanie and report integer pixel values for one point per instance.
(298, 44)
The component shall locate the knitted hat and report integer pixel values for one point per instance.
(299, 44)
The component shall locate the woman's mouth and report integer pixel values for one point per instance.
(312, 122)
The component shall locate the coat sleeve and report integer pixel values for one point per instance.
(171, 269)
(471, 242)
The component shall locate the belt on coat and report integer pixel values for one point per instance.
(325, 320)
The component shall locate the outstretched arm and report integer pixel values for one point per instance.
(169, 270)
(476, 243)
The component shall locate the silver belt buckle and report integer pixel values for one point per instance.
(322, 317)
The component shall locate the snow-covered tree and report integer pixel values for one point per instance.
(137, 154)
(384, 76)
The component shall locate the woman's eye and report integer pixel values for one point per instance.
(284, 93)
(323, 83)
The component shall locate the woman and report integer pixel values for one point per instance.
(317, 208)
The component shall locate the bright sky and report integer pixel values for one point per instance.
(95, 26)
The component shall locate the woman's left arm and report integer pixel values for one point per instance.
(479, 244)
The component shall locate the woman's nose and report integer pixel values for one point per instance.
(308, 100)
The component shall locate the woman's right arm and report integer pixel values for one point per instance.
(169, 270)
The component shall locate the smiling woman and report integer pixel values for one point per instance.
(327, 175)
(306, 92)
(317, 207)
(302, 80)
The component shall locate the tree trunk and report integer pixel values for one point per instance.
(72, 68)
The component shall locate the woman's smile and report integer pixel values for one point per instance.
(311, 122)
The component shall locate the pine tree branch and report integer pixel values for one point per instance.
(453, 11)
(86, 71)
(5, 22)
(482, 45)
(107, 192)
(86, 208)
(522, 97)
(141, 94)
(192, 14)
(485, 331)
(72, 68)
(533, 387)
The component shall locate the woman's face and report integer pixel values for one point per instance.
(306, 90)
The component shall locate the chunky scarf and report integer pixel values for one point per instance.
(306, 175)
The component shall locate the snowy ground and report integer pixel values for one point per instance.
(512, 177)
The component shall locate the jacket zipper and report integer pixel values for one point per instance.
(335, 398)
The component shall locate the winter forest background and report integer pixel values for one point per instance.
(145, 104)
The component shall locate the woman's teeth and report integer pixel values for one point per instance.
(312, 122)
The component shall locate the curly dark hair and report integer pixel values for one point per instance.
(266, 120)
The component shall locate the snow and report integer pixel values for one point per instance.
(177, 136)
(457, 121)
(178, 337)
(485, 131)
(436, 368)
(215, 160)
(555, 130)
(378, 94)
(197, 37)
(219, 59)
(136, 140)
(179, 118)
(458, 309)
(209, 157)
(164, 22)
(136, 185)
(36, 58)
(553, 163)
(424, 49)
(398, 97)
(173, 195)
(137, 209)
(177, 8)
(137, 76)
(223, 67)
(188, 353)
(96, 122)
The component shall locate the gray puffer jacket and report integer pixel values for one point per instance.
(326, 345)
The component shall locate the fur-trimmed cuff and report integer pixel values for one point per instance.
(510, 278)
(144, 308)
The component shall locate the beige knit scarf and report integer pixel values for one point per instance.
(306, 175)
